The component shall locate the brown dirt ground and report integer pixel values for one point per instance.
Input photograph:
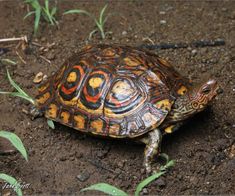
(203, 148)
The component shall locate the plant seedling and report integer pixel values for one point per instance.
(100, 22)
(22, 94)
(114, 191)
(17, 143)
(45, 11)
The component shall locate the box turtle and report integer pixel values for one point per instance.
(122, 92)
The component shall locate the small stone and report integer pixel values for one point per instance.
(145, 191)
(124, 33)
(38, 78)
(162, 12)
(25, 111)
(83, 176)
(162, 22)
(45, 77)
(194, 52)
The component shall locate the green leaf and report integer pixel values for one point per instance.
(29, 14)
(50, 123)
(15, 85)
(77, 11)
(169, 164)
(37, 20)
(91, 34)
(102, 14)
(53, 11)
(105, 188)
(16, 94)
(9, 61)
(146, 181)
(12, 181)
(16, 142)
(47, 5)
(21, 94)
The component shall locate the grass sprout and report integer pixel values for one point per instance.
(8, 61)
(20, 93)
(17, 143)
(39, 11)
(12, 181)
(100, 21)
(114, 191)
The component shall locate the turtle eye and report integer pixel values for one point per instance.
(206, 90)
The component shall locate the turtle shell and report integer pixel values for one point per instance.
(115, 91)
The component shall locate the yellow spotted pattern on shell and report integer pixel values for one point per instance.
(111, 90)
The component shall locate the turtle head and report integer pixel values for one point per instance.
(195, 100)
(200, 96)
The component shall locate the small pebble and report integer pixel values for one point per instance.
(25, 111)
(162, 22)
(145, 191)
(194, 52)
(162, 12)
(83, 176)
(38, 78)
(124, 33)
(45, 77)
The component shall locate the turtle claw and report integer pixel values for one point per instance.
(35, 112)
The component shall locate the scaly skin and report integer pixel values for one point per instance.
(194, 101)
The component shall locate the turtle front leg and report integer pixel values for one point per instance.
(152, 141)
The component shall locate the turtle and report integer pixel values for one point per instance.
(117, 91)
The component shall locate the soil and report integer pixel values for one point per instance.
(63, 161)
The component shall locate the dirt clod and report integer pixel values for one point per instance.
(83, 176)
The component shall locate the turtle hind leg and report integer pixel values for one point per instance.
(152, 141)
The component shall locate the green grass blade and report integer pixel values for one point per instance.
(102, 14)
(53, 11)
(12, 181)
(101, 29)
(106, 18)
(91, 34)
(169, 164)
(47, 5)
(8, 61)
(16, 142)
(29, 14)
(17, 94)
(37, 20)
(34, 3)
(77, 11)
(105, 188)
(51, 124)
(146, 181)
(16, 86)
